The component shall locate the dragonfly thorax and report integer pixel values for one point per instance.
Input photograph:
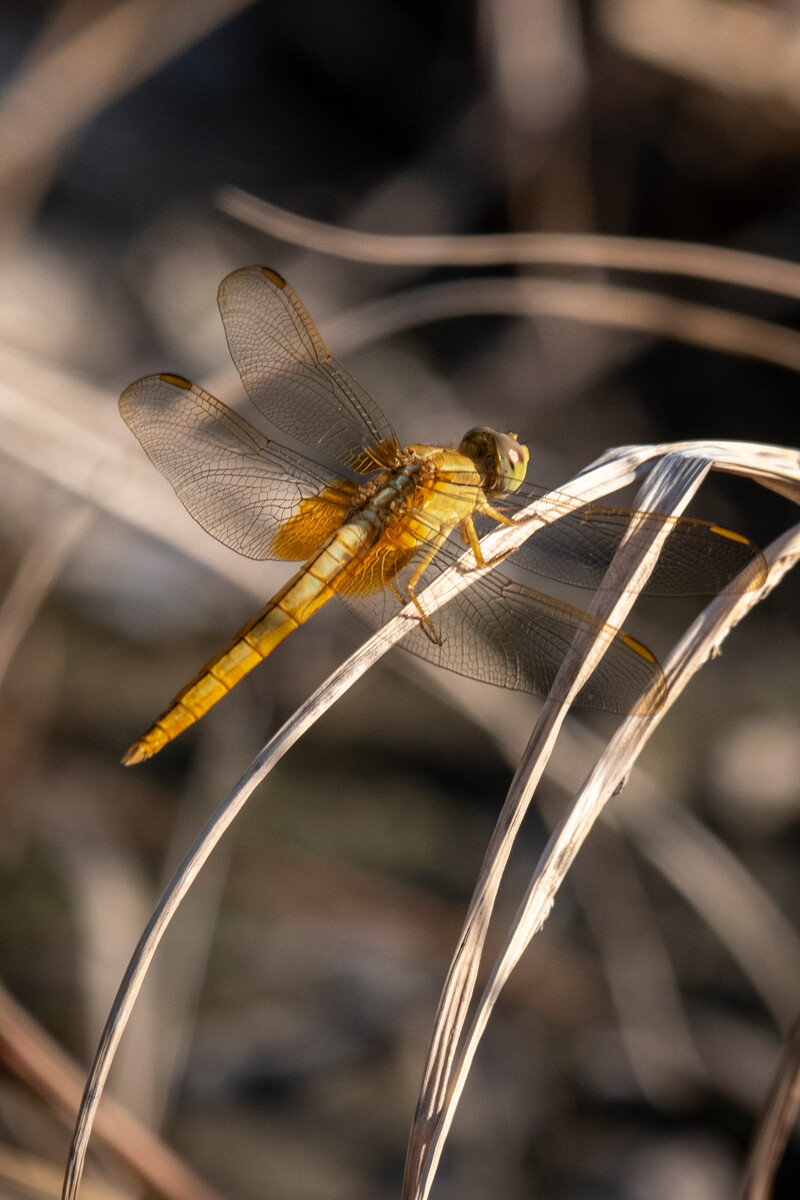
(499, 458)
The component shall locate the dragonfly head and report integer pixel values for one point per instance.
(499, 458)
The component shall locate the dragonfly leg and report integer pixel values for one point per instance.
(427, 624)
(469, 535)
(489, 510)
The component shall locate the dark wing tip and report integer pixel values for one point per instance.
(652, 699)
(274, 278)
(177, 381)
(130, 397)
(754, 571)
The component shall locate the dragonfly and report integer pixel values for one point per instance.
(374, 520)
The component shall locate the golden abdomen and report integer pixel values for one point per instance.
(431, 494)
(298, 600)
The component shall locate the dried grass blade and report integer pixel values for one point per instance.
(611, 473)
(605, 781)
(614, 470)
(574, 249)
(669, 489)
(632, 310)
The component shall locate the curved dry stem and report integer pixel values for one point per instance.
(615, 470)
(735, 906)
(660, 257)
(608, 776)
(669, 489)
(629, 309)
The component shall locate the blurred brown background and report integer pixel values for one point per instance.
(279, 1042)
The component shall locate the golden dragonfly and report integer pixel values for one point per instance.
(371, 519)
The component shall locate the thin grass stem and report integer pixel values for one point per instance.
(611, 473)
(669, 488)
(655, 256)
(609, 775)
(630, 309)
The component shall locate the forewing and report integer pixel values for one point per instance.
(698, 558)
(241, 486)
(504, 633)
(289, 373)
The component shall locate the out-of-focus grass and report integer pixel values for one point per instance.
(301, 1071)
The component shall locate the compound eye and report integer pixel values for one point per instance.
(512, 462)
(479, 445)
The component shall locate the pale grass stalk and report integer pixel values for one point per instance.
(652, 1000)
(612, 473)
(630, 309)
(655, 256)
(688, 462)
(776, 1124)
(608, 777)
(669, 489)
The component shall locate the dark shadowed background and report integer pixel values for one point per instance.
(279, 1042)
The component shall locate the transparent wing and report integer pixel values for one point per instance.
(698, 557)
(249, 492)
(289, 374)
(504, 633)
(301, 389)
